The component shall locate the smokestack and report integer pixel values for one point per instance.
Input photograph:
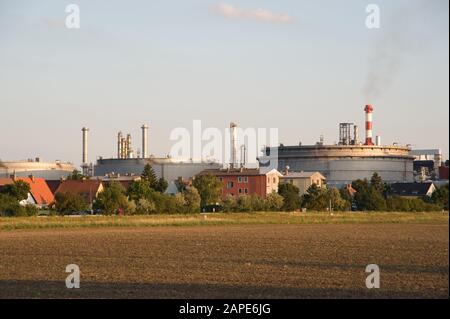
(119, 145)
(85, 131)
(144, 141)
(355, 135)
(378, 140)
(369, 110)
(233, 144)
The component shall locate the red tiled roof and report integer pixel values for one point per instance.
(83, 187)
(38, 188)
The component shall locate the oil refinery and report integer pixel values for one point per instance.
(348, 160)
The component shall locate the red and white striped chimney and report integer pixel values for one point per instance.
(369, 110)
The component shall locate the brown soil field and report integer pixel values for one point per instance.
(249, 261)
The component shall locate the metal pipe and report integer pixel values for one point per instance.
(85, 131)
(233, 140)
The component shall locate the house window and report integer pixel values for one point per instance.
(221, 179)
(245, 190)
(274, 180)
(230, 185)
(243, 179)
(240, 190)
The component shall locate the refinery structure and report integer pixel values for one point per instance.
(348, 160)
(129, 162)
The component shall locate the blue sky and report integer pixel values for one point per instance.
(167, 63)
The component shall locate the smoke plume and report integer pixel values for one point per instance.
(404, 33)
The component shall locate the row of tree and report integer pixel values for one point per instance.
(146, 196)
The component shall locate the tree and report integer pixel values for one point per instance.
(291, 197)
(337, 202)
(315, 198)
(377, 183)
(69, 202)
(112, 199)
(9, 206)
(274, 202)
(149, 175)
(209, 188)
(368, 197)
(139, 189)
(440, 197)
(76, 175)
(18, 190)
(161, 185)
(193, 200)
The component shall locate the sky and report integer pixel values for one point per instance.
(299, 66)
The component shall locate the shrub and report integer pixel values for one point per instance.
(69, 202)
(145, 207)
(244, 203)
(273, 202)
(229, 204)
(192, 199)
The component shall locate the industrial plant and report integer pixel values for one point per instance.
(129, 162)
(339, 163)
(36, 167)
(348, 160)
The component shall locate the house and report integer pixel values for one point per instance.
(413, 189)
(40, 194)
(303, 180)
(246, 181)
(88, 189)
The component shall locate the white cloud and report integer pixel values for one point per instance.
(232, 12)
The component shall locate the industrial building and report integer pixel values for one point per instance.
(428, 164)
(127, 164)
(347, 160)
(36, 167)
(166, 168)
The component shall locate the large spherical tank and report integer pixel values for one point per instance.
(47, 170)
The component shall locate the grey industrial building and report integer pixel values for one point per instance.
(348, 160)
(342, 164)
(166, 168)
